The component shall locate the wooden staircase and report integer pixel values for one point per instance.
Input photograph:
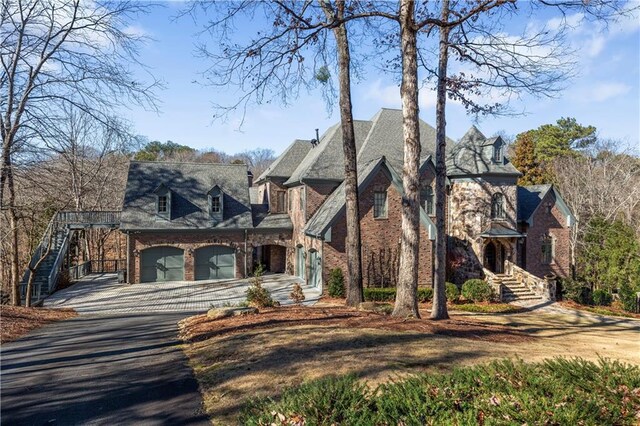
(514, 290)
(54, 245)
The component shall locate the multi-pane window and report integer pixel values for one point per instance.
(380, 204)
(162, 204)
(280, 204)
(497, 206)
(428, 200)
(302, 198)
(547, 250)
(216, 205)
(497, 153)
(290, 198)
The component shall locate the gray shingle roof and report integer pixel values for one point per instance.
(473, 156)
(386, 139)
(288, 161)
(326, 160)
(529, 198)
(334, 205)
(262, 219)
(189, 184)
(495, 230)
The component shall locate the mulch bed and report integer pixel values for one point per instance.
(16, 321)
(201, 327)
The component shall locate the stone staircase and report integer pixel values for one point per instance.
(514, 290)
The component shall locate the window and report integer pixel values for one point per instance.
(162, 204)
(497, 153)
(379, 205)
(289, 199)
(280, 204)
(216, 205)
(428, 200)
(497, 206)
(548, 250)
(302, 198)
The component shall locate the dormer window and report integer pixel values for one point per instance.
(497, 206)
(162, 204)
(216, 203)
(163, 201)
(497, 152)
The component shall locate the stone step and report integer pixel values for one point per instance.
(515, 299)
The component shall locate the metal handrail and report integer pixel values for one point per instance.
(89, 217)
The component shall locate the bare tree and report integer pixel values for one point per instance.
(274, 64)
(55, 53)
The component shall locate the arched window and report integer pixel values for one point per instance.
(497, 153)
(428, 200)
(497, 206)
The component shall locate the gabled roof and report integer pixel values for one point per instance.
(189, 184)
(473, 156)
(386, 139)
(287, 162)
(262, 219)
(334, 206)
(530, 198)
(325, 161)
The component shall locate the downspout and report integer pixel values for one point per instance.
(128, 280)
(245, 253)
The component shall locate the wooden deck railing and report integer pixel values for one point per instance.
(89, 218)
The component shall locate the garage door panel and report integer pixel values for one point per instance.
(214, 262)
(162, 264)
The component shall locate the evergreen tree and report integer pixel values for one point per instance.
(562, 139)
(525, 160)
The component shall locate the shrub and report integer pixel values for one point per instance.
(452, 292)
(258, 296)
(336, 283)
(627, 292)
(425, 294)
(602, 298)
(297, 295)
(555, 391)
(379, 294)
(477, 290)
(576, 291)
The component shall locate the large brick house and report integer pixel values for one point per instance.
(208, 221)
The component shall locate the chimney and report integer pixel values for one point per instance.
(250, 177)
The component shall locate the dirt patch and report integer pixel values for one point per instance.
(202, 327)
(18, 320)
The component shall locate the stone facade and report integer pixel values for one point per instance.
(470, 216)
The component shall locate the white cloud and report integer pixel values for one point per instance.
(605, 91)
(384, 95)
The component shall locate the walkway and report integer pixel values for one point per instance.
(101, 294)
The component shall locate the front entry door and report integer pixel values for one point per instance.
(300, 263)
(490, 257)
(314, 269)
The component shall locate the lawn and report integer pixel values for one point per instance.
(239, 358)
(18, 320)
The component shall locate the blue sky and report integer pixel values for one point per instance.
(605, 93)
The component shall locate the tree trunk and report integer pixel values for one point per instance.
(13, 225)
(406, 297)
(439, 310)
(353, 243)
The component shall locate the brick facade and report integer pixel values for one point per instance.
(380, 239)
(548, 220)
(189, 242)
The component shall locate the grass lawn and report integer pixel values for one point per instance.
(487, 308)
(17, 320)
(239, 358)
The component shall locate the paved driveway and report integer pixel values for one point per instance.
(119, 362)
(101, 294)
(99, 369)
